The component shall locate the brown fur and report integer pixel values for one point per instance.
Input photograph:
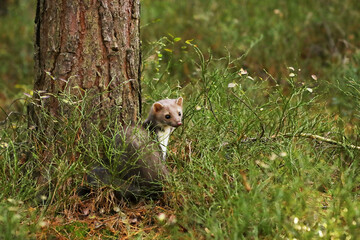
(139, 169)
(160, 109)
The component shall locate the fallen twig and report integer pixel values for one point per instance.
(327, 140)
(306, 135)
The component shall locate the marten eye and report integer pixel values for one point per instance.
(179, 113)
(167, 116)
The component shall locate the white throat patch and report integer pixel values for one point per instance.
(163, 138)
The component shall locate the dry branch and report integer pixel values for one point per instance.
(306, 135)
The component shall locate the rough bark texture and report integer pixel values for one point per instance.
(93, 44)
(3, 7)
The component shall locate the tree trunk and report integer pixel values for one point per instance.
(3, 7)
(90, 45)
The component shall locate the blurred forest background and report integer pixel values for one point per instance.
(269, 146)
(319, 37)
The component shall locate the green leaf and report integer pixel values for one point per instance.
(189, 41)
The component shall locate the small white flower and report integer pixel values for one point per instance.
(320, 233)
(42, 224)
(306, 228)
(313, 76)
(291, 68)
(284, 154)
(251, 78)
(277, 11)
(198, 108)
(261, 164)
(310, 90)
(296, 220)
(243, 71)
(161, 217)
(4, 145)
(43, 197)
(292, 75)
(231, 85)
(273, 156)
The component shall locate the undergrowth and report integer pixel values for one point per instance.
(266, 150)
(247, 163)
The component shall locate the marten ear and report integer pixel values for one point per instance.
(179, 101)
(157, 106)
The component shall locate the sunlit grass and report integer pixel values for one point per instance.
(245, 164)
(242, 166)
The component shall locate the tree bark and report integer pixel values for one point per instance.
(3, 7)
(93, 45)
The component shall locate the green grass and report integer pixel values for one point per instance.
(242, 166)
(308, 34)
(290, 178)
(16, 51)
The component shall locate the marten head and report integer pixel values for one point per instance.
(167, 112)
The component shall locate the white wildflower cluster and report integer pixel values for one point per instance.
(243, 73)
(293, 74)
(300, 227)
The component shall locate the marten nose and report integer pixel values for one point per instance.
(179, 123)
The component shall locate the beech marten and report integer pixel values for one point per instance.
(164, 116)
(137, 167)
